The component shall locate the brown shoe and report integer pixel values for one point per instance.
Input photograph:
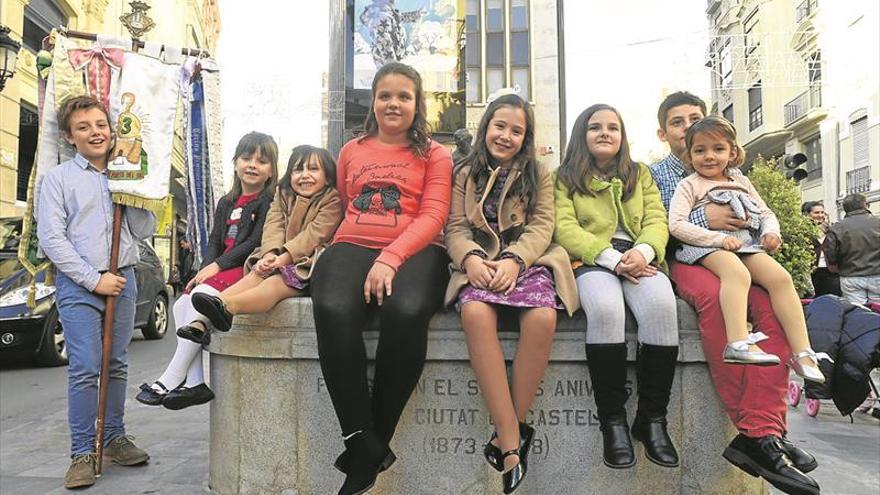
(81, 471)
(123, 452)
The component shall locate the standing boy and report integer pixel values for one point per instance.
(753, 396)
(75, 223)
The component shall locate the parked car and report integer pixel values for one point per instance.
(37, 332)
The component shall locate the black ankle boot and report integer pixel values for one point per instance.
(367, 453)
(655, 372)
(607, 365)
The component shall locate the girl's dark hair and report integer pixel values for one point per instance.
(714, 125)
(249, 144)
(579, 165)
(299, 159)
(419, 135)
(481, 161)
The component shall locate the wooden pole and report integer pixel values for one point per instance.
(109, 311)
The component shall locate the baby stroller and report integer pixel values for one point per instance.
(850, 335)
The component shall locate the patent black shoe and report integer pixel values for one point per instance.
(617, 449)
(658, 446)
(766, 457)
(194, 334)
(344, 459)
(214, 309)
(150, 396)
(183, 397)
(510, 480)
(492, 452)
(801, 459)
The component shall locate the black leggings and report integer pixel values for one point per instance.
(341, 315)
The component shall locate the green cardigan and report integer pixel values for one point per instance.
(585, 224)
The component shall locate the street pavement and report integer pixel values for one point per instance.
(34, 439)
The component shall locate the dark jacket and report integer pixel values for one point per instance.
(850, 335)
(250, 231)
(853, 244)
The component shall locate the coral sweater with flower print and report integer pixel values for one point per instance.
(394, 200)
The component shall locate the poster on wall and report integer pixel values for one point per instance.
(420, 33)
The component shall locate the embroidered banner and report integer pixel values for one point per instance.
(143, 110)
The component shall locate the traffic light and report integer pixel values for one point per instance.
(793, 164)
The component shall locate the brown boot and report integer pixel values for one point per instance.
(123, 452)
(81, 471)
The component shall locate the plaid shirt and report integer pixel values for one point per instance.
(667, 173)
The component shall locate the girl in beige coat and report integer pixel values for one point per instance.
(498, 237)
(302, 219)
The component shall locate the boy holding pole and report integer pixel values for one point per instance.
(75, 219)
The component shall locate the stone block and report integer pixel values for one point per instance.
(274, 430)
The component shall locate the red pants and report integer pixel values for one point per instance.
(754, 396)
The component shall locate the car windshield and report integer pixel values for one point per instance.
(10, 234)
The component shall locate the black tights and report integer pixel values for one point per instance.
(341, 315)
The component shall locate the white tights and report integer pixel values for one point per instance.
(187, 360)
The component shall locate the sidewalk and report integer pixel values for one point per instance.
(34, 457)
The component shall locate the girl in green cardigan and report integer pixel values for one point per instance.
(610, 220)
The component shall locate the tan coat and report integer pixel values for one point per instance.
(529, 238)
(301, 226)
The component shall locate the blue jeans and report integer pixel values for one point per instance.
(82, 313)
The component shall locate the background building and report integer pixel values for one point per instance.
(803, 76)
(501, 44)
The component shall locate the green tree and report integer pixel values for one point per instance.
(784, 198)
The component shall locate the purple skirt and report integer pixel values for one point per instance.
(534, 289)
(288, 274)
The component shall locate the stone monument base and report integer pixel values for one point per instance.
(273, 428)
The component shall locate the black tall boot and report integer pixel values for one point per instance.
(655, 372)
(366, 452)
(607, 365)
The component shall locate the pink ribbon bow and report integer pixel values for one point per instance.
(97, 62)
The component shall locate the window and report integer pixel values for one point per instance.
(40, 16)
(519, 46)
(495, 56)
(727, 113)
(860, 142)
(726, 64)
(814, 76)
(813, 150)
(756, 109)
(27, 148)
(750, 40)
(473, 52)
(500, 55)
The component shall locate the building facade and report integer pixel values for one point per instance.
(517, 44)
(196, 24)
(501, 44)
(803, 76)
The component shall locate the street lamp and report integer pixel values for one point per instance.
(8, 56)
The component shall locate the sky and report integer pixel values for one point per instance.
(627, 54)
(630, 55)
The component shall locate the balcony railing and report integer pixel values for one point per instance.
(858, 180)
(804, 9)
(801, 104)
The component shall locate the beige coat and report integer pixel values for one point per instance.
(301, 226)
(528, 237)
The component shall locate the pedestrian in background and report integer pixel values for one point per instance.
(824, 277)
(853, 245)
